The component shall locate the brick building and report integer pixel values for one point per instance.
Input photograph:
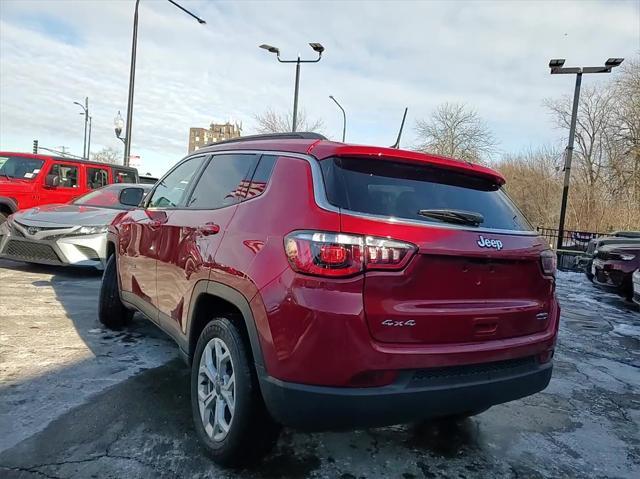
(199, 137)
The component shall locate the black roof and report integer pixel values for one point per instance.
(294, 135)
(65, 158)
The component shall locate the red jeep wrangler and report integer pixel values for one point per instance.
(322, 285)
(28, 180)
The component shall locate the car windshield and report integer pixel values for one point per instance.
(107, 197)
(422, 193)
(20, 167)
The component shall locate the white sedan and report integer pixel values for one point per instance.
(636, 286)
(68, 234)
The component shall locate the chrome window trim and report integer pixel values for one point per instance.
(320, 197)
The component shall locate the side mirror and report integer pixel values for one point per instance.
(52, 181)
(131, 196)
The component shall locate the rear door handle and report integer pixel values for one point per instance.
(209, 229)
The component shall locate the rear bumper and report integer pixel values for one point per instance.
(414, 396)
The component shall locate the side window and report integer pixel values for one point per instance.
(123, 176)
(171, 190)
(68, 175)
(96, 178)
(261, 176)
(224, 182)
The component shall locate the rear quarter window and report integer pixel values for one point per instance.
(393, 189)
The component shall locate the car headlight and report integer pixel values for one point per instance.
(627, 256)
(91, 230)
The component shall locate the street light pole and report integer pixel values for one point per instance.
(318, 48)
(89, 140)
(344, 117)
(294, 123)
(132, 79)
(132, 76)
(568, 158)
(85, 109)
(557, 67)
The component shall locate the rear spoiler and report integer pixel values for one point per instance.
(323, 150)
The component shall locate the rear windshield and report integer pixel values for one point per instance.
(401, 190)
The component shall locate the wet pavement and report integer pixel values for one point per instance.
(80, 401)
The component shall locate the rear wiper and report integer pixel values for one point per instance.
(461, 217)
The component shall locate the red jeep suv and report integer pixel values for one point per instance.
(323, 285)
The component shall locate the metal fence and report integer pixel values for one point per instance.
(572, 240)
(574, 244)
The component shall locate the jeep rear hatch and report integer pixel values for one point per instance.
(476, 274)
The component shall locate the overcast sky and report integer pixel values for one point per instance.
(379, 58)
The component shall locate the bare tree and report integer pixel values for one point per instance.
(274, 122)
(625, 130)
(534, 182)
(107, 155)
(457, 131)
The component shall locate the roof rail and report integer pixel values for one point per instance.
(297, 135)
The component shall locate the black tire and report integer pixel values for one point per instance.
(111, 312)
(3, 217)
(252, 433)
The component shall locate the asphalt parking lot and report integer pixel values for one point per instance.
(80, 401)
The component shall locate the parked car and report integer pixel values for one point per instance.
(28, 180)
(323, 285)
(613, 267)
(68, 234)
(636, 286)
(148, 180)
(585, 261)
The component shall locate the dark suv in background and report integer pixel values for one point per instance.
(585, 262)
(613, 267)
(323, 285)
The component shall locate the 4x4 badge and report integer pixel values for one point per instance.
(396, 323)
(489, 243)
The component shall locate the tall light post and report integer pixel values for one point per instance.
(316, 48)
(89, 140)
(557, 68)
(344, 117)
(132, 75)
(85, 109)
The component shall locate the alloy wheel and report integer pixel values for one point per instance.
(216, 389)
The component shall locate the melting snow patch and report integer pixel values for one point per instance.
(629, 330)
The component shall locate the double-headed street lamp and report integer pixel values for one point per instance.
(557, 68)
(316, 48)
(85, 112)
(344, 117)
(132, 76)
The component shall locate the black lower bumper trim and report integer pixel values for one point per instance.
(318, 408)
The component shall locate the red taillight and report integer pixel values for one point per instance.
(548, 261)
(336, 254)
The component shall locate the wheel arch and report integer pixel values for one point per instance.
(8, 205)
(211, 298)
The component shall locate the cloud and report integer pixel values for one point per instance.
(380, 57)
